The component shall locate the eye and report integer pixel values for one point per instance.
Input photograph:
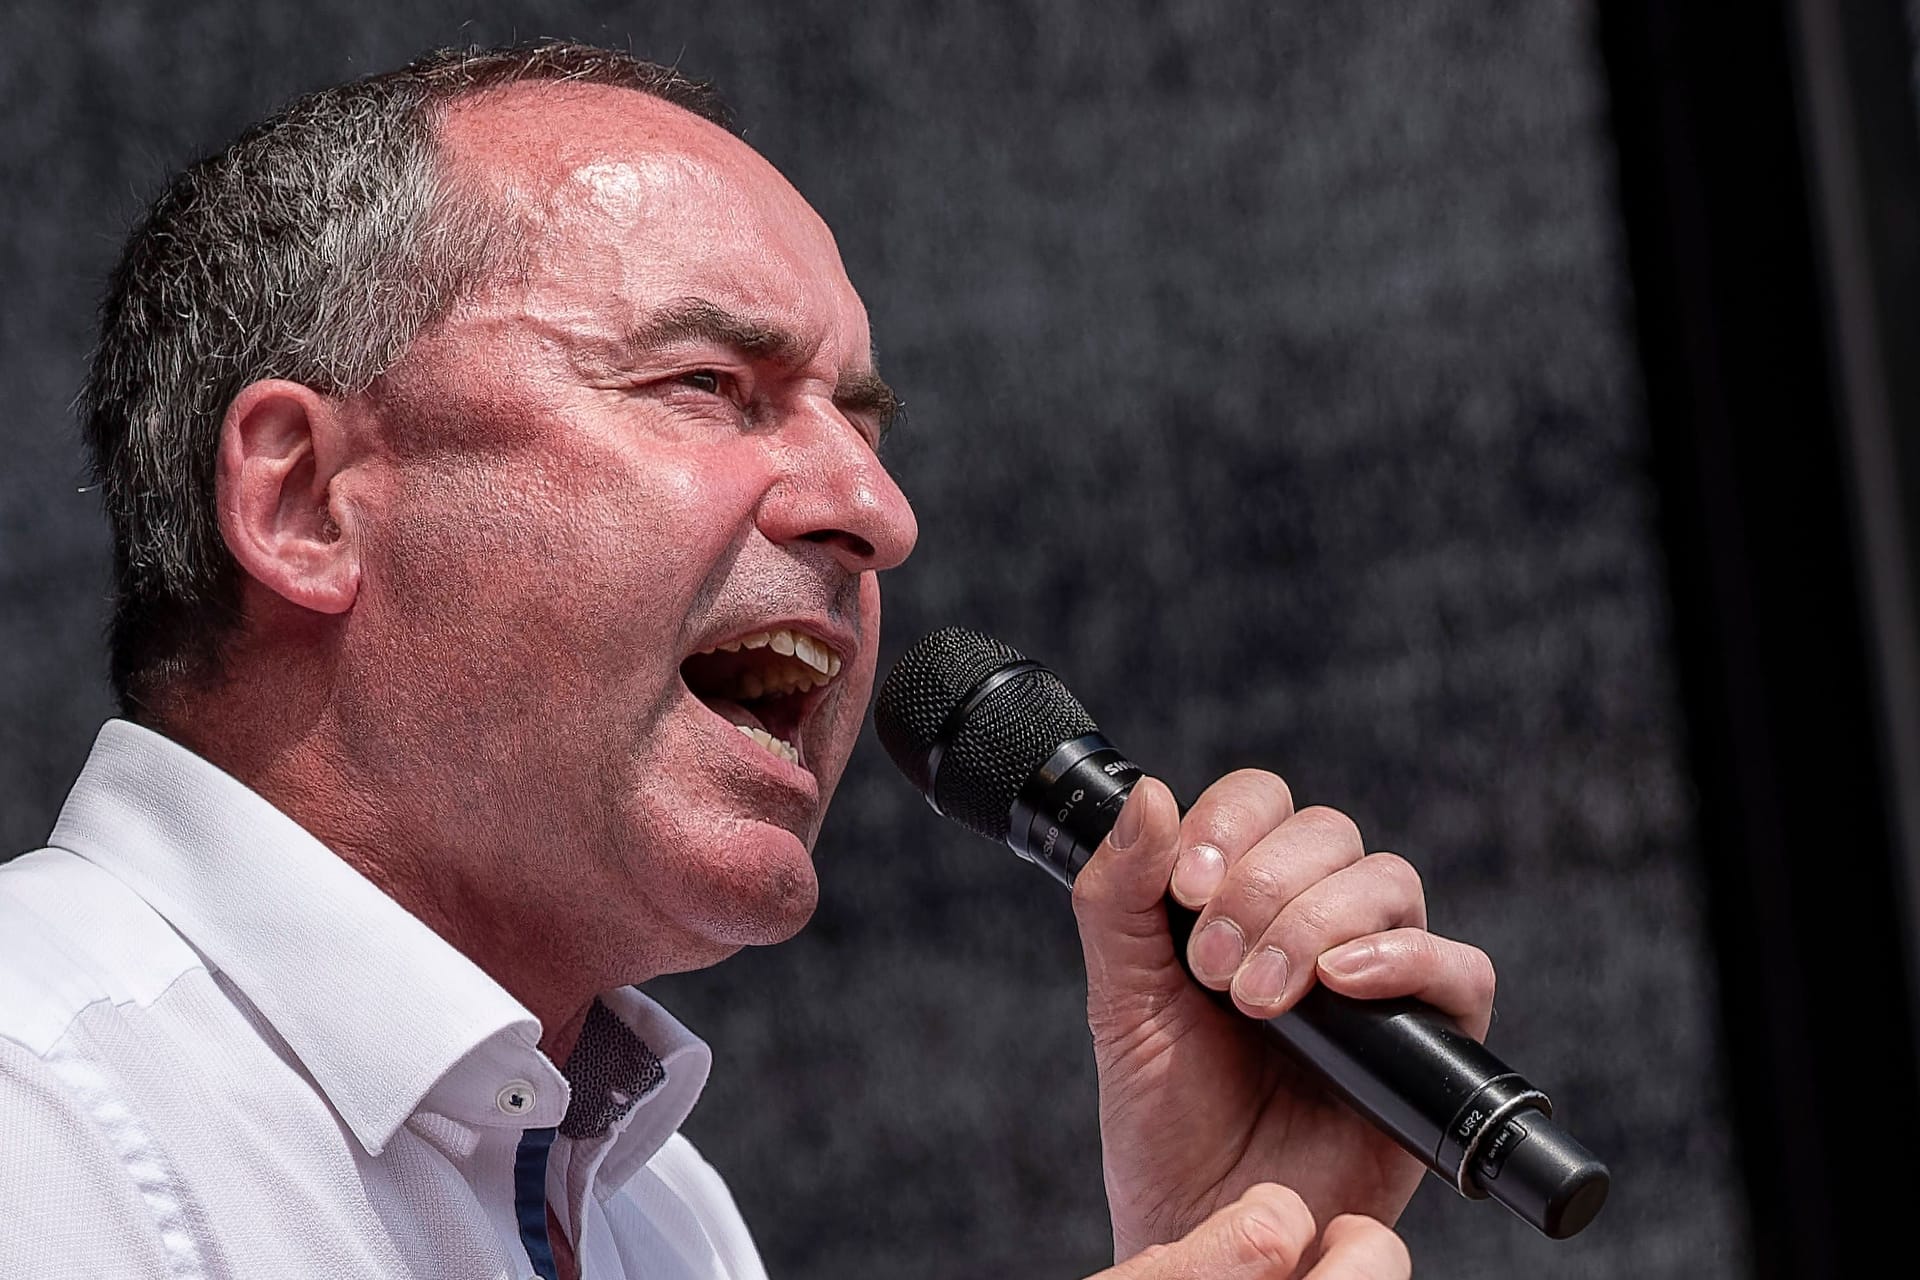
(712, 393)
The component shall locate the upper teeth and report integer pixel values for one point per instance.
(796, 644)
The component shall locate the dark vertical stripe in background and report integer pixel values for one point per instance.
(1771, 174)
(1275, 373)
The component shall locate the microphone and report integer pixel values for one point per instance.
(996, 742)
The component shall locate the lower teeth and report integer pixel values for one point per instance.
(778, 746)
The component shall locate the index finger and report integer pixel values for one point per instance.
(1229, 818)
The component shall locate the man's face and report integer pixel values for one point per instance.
(616, 484)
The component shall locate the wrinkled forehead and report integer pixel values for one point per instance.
(615, 186)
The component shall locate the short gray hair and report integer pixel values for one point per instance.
(315, 247)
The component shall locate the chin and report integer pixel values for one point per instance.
(764, 892)
(776, 915)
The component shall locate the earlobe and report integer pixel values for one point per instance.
(282, 447)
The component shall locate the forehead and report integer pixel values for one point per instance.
(619, 195)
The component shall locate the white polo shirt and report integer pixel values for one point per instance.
(225, 1053)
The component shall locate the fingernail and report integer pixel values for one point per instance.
(1216, 950)
(1351, 960)
(1263, 979)
(1197, 874)
(1133, 816)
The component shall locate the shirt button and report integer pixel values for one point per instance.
(515, 1098)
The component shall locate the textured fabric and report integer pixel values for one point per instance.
(609, 1071)
(225, 1053)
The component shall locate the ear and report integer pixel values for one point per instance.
(282, 446)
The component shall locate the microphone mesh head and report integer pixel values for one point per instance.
(990, 755)
(924, 687)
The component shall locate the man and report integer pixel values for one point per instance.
(491, 451)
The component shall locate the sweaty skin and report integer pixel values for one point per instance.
(471, 590)
(536, 517)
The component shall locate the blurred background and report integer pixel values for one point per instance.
(1488, 416)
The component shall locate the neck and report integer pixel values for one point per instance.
(361, 798)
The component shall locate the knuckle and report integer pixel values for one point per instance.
(1148, 1260)
(1243, 806)
(1479, 970)
(1262, 1240)
(1307, 918)
(1270, 787)
(1351, 1230)
(1280, 1199)
(1273, 1226)
(1397, 871)
(1332, 826)
(1256, 881)
(1230, 824)
(1092, 891)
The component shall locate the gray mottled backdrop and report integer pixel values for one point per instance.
(1270, 375)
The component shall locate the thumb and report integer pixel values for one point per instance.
(1119, 893)
(1260, 1236)
(1118, 899)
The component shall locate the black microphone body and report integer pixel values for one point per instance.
(1471, 1119)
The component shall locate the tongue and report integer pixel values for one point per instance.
(733, 712)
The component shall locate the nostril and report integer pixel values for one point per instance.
(845, 541)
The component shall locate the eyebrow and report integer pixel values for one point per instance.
(857, 392)
(864, 393)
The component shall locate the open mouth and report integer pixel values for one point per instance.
(764, 684)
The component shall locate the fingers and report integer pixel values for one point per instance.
(1285, 891)
(1229, 818)
(1129, 874)
(1288, 926)
(1265, 1235)
(1358, 1248)
(1262, 877)
(1275, 889)
(1453, 977)
(1261, 1236)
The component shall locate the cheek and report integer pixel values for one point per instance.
(494, 597)
(536, 550)
(852, 707)
(869, 636)
(542, 598)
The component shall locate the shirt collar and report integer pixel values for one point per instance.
(636, 1132)
(376, 1005)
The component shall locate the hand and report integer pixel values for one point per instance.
(1265, 1235)
(1197, 1104)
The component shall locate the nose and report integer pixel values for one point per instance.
(833, 491)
